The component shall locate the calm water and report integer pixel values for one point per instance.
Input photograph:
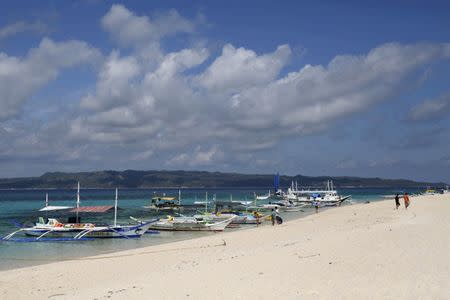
(21, 206)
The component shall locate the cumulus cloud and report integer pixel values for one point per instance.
(20, 27)
(129, 29)
(432, 109)
(199, 157)
(115, 83)
(240, 68)
(239, 101)
(348, 84)
(20, 78)
(233, 105)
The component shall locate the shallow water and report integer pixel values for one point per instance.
(20, 206)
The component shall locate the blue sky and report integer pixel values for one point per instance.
(298, 87)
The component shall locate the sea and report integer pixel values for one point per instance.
(21, 208)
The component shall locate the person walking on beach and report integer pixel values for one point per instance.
(406, 199)
(397, 201)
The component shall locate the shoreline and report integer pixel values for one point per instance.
(181, 236)
(215, 187)
(362, 250)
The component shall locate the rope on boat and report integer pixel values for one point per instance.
(223, 244)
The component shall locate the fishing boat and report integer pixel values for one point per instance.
(263, 197)
(53, 228)
(430, 191)
(326, 197)
(163, 203)
(73, 229)
(239, 218)
(188, 224)
(283, 205)
(445, 190)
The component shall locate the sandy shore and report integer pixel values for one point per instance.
(366, 251)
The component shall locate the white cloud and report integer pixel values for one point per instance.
(175, 109)
(318, 95)
(240, 68)
(157, 106)
(20, 27)
(20, 78)
(199, 157)
(129, 29)
(115, 83)
(432, 109)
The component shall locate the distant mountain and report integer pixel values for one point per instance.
(151, 179)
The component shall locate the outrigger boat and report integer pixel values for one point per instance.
(75, 230)
(283, 205)
(188, 224)
(327, 197)
(430, 191)
(239, 218)
(263, 197)
(172, 204)
(164, 204)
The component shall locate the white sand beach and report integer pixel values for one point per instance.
(364, 251)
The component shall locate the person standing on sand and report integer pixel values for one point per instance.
(256, 216)
(406, 199)
(397, 201)
(315, 203)
(274, 216)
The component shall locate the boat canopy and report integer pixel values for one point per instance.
(164, 198)
(93, 209)
(54, 208)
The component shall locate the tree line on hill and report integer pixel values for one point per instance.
(199, 179)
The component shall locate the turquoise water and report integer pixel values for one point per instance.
(21, 206)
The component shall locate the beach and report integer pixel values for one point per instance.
(362, 251)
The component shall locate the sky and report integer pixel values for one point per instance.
(339, 88)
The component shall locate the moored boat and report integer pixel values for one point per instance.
(189, 224)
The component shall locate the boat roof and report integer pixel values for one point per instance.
(315, 191)
(93, 209)
(55, 207)
(164, 198)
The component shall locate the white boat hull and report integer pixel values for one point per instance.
(87, 232)
(190, 224)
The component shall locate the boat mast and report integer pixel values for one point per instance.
(46, 199)
(179, 197)
(206, 202)
(78, 200)
(115, 208)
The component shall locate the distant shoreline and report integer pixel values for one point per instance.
(201, 188)
(156, 179)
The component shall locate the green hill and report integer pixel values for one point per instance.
(149, 179)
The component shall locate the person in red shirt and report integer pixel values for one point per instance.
(406, 199)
